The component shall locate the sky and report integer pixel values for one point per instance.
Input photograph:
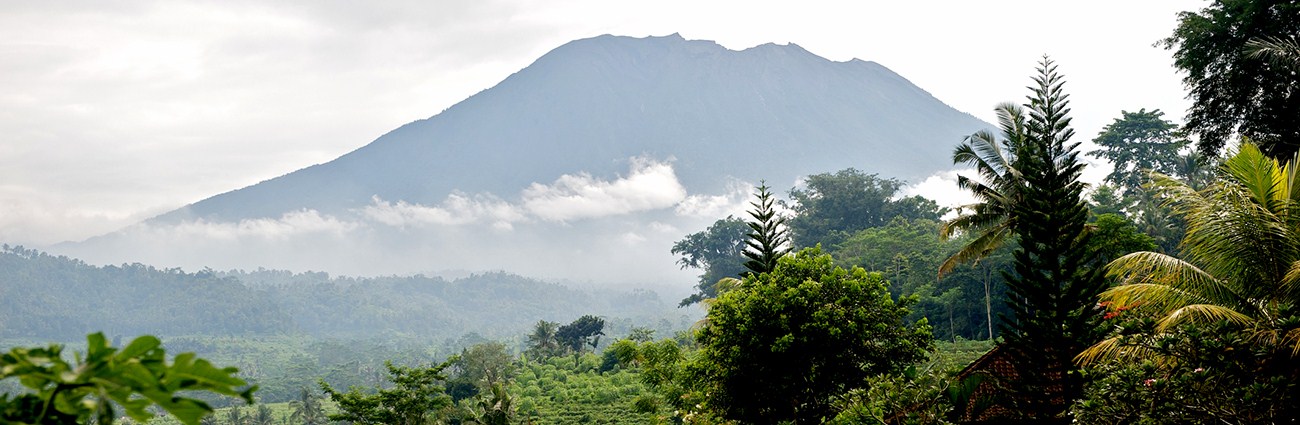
(115, 111)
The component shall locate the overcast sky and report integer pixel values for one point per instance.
(111, 112)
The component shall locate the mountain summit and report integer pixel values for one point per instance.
(596, 140)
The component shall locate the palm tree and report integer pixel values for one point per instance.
(307, 409)
(235, 416)
(263, 416)
(1241, 259)
(544, 341)
(1284, 52)
(996, 191)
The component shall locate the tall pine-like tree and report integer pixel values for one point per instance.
(769, 239)
(1053, 293)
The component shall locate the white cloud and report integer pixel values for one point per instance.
(291, 224)
(649, 185)
(734, 202)
(457, 209)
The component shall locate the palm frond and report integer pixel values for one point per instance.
(1112, 349)
(1153, 268)
(1280, 51)
(1201, 314)
(1290, 286)
(976, 249)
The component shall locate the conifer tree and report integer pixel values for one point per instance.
(769, 238)
(1057, 279)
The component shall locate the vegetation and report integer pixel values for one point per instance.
(1057, 277)
(415, 397)
(1201, 326)
(1233, 91)
(997, 190)
(718, 251)
(835, 205)
(768, 239)
(803, 333)
(94, 388)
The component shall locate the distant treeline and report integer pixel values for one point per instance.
(51, 297)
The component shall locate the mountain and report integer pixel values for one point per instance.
(601, 144)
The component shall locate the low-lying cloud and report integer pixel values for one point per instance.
(457, 209)
(649, 185)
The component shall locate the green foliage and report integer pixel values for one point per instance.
(555, 392)
(909, 254)
(307, 409)
(498, 409)
(1221, 376)
(132, 378)
(1136, 144)
(912, 397)
(543, 343)
(415, 397)
(1233, 91)
(1057, 279)
(768, 238)
(1241, 262)
(1113, 236)
(988, 221)
(478, 368)
(718, 251)
(804, 332)
(833, 206)
(584, 331)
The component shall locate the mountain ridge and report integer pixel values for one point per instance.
(600, 153)
(575, 57)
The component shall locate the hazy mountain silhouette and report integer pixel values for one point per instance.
(664, 107)
(773, 112)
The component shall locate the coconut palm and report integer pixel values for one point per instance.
(544, 342)
(996, 191)
(307, 409)
(1241, 259)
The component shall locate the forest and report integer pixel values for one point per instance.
(1166, 294)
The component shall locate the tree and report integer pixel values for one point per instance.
(1241, 265)
(718, 251)
(543, 343)
(262, 416)
(1057, 279)
(1113, 236)
(833, 206)
(780, 345)
(584, 331)
(416, 394)
(235, 416)
(478, 368)
(1136, 144)
(997, 190)
(1233, 91)
(499, 409)
(768, 239)
(307, 409)
(92, 389)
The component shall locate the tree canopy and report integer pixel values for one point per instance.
(1138, 143)
(781, 344)
(1057, 278)
(768, 238)
(1233, 91)
(832, 206)
(718, 251)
